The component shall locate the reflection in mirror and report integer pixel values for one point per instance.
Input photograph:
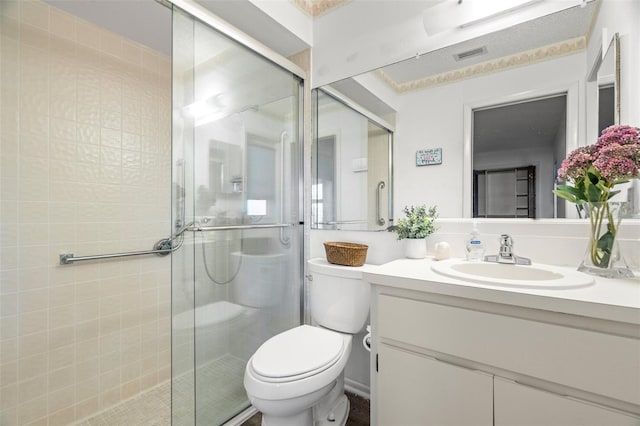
(607, 79)
(606, 106)
(516, 149)
(351, 167)
(604, 87)
(538, 58)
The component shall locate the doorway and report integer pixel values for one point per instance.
(523, 135)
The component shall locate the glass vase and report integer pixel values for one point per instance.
(602, 257)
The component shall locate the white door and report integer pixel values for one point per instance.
(417, 390)
(517, 405)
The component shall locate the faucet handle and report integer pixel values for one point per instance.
(506, 247)
(506, 240)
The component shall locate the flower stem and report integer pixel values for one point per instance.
(601, 244)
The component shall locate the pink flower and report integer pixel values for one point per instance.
(618, 134)
(613, 159)
(614, 168)
(576, 163)
(616, 155)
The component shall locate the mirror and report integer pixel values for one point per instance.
(351, 166)
(603, 86)
(435, 96)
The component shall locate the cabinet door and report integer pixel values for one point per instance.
(417, 390)
(517, 405)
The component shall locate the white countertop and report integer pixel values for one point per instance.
(609, 299)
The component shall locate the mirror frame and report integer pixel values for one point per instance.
(572, 131)
(339, 97)
(609, 44)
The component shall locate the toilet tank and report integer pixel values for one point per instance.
(339, 297)
(260, 279)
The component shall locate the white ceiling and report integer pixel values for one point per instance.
(149, 23)
(249, 19)
(546, 30)
(145, 21)
(518, 126)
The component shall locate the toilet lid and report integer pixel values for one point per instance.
(299, 351)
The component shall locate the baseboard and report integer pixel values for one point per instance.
(356, 388)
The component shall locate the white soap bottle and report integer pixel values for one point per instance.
(475, 245)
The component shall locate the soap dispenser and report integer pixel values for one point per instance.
(475, 246)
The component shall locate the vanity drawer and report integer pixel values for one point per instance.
(595, 362)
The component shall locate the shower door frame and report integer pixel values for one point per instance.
(207, 17)
(210, 19)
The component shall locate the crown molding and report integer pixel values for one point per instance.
(551, 51)
(318, 7)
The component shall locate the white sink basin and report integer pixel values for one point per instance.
(529, 276)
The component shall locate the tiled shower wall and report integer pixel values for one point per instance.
(85, 168)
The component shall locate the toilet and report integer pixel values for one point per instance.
(296, 378)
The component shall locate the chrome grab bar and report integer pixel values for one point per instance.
(379, 217)
(196, 228)
(342, 222)
(68, 258)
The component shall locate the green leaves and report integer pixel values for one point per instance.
(418, 222)
(604, 248)
(591, 188)
(603, 220)
(569, 193)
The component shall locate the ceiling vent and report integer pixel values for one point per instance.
(470, 53)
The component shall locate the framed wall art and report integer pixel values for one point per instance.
(429, 157)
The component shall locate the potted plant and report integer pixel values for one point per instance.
(417, 224)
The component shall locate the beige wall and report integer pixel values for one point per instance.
(85, 168)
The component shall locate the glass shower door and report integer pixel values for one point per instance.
(236, 276)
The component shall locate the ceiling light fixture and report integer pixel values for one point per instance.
(448, 15)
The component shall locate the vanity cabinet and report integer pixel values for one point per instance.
(419, 390)
(516, 405)
(446, 360)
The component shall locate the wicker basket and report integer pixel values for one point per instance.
(347, 254)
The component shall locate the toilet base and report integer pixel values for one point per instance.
(338, 415)
(300, 419)
(333, 408)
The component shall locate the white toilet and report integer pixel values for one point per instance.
(297, 377)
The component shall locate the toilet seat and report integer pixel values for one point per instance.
(277, 385)
(297, 353)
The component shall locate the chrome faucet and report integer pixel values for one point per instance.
(505, 254)
(506, 248)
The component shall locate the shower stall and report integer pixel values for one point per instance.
(236, 264)
(112, 139)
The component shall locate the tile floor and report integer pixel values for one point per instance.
(358, 413)
(153, 408)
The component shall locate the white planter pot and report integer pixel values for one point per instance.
(415, 248)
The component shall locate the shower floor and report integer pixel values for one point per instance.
(153, 407)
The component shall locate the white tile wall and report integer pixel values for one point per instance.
(85, 168)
